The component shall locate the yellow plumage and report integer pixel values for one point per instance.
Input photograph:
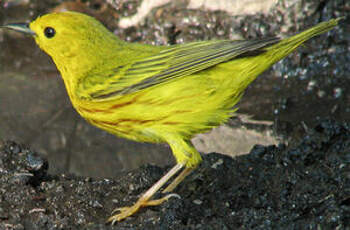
(155, 94)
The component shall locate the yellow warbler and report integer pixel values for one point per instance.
(155, 93)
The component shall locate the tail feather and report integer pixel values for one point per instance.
(286, 46)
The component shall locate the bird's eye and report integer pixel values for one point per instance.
(49, 32)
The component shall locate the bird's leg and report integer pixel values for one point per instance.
(178, 180)
(144, 200)
(184, 151)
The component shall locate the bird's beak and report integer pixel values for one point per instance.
(19, 27)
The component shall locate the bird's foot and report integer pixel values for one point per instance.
(125, 212)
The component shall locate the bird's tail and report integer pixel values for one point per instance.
(286, 46)
(251, 67)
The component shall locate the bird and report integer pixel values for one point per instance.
(157, 94)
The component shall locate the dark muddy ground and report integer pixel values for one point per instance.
(302, 184)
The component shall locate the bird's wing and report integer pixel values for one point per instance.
(172, 63)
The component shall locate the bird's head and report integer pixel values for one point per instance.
(70, 38)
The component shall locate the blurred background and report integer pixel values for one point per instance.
(311, 84)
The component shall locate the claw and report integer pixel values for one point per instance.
(124, 213)
(121, 209)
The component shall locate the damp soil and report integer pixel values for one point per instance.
(305, 185)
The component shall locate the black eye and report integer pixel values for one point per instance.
(49, 32)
